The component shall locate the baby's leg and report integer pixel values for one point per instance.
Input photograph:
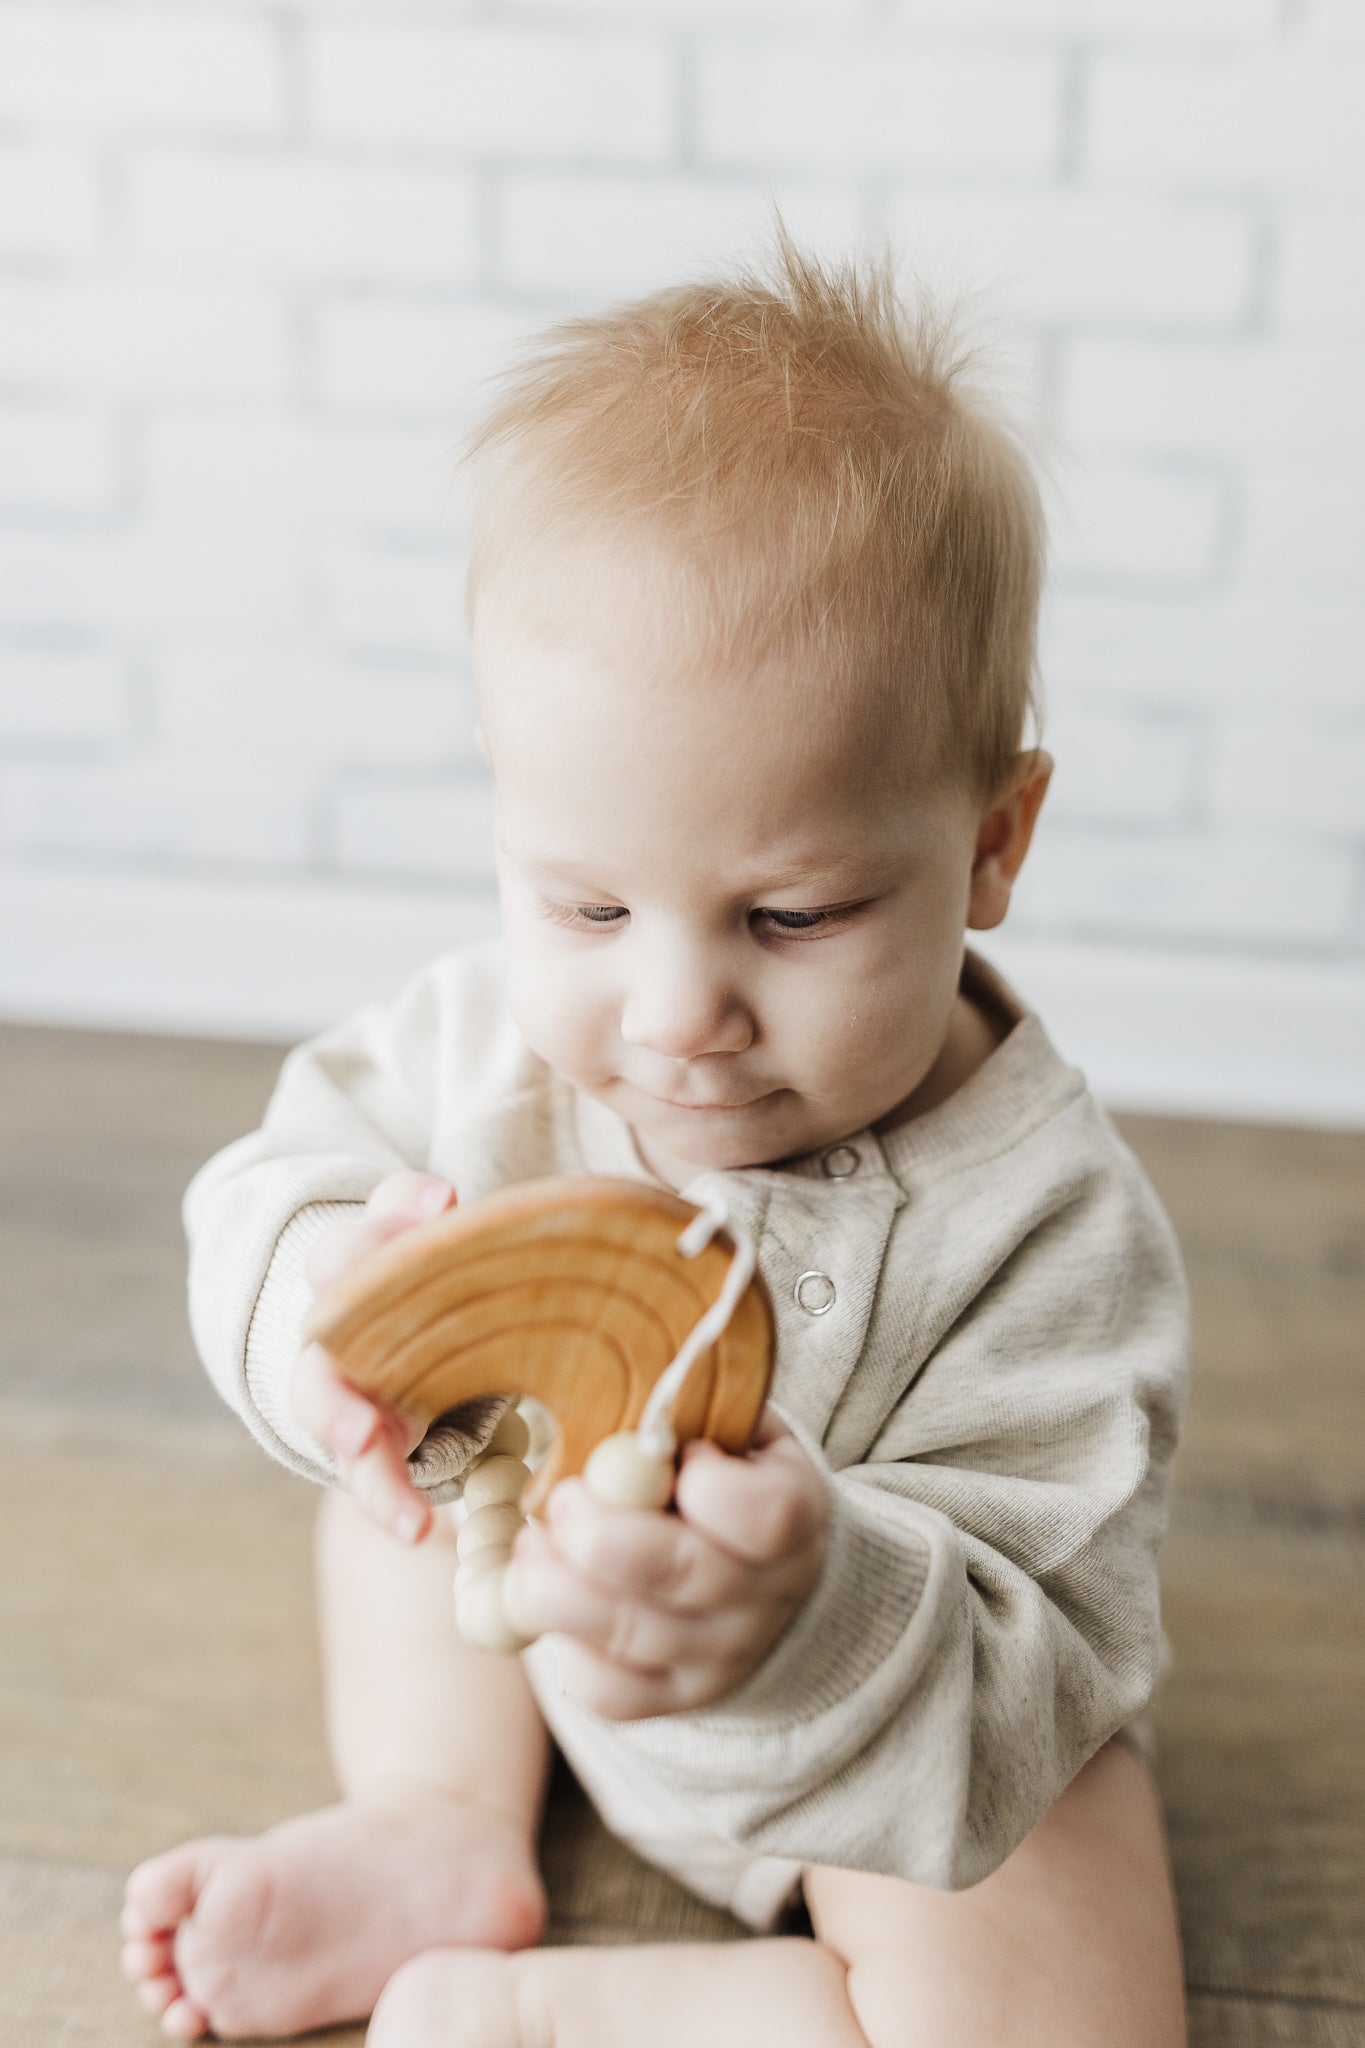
(441, 1755)
(1073, 1940)
(1071, 1943)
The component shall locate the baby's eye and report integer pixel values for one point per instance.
(796, 921)
(577, 915)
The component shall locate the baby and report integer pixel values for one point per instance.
(753, 597)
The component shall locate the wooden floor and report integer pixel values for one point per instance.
(157, 1669)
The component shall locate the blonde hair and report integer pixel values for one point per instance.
(824, 478)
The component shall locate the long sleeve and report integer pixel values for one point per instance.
(987, 1614)
(350, 1106)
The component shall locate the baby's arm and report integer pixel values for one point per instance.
(352, 1108)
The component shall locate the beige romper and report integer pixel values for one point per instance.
(990, 1374)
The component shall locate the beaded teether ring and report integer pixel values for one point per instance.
(613, 1304)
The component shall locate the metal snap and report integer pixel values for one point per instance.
(815, 1293)
(839, 1162)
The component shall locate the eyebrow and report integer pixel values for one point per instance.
(836, 872)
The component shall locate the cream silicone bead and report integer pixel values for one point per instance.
(476, 1564)
(482, 1617)
(511, 1438)
(623, 1472)
(494, 1526)
(540, 1429)
(497, 1480)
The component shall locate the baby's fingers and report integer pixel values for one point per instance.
(553, 1597)
(400, 1201)
(644, 1555)
(408, 1197)
(382, 1483)
(369, 1441)
(329, 1407)
(763, 1508)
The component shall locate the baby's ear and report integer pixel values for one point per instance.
(1003, 838)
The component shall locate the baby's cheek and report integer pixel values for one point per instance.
(893, 1026)
(864, 1017)
(553, 1011)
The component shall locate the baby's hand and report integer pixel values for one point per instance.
(369, 1439)
(659, 1613)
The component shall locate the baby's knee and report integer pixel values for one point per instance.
(451, 1998)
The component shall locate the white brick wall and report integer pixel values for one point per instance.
(416, 828)
(1126, 524)
(1064, 255)
(1304, 531)
(890, 105)
(49, 201)
(1287, 774)
(589, 237)
(407, 357)
(1228, 398)
(1167, 22)
(285, 216)
(1253, 886)
(63, 697)
(124, 70)
(257, 258)
(126, 336)
(504, 95)
(1283, 121)
(56, 459)
(1321, 283)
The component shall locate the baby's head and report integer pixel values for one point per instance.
(753, 597)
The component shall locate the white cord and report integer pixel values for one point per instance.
(655, 1430)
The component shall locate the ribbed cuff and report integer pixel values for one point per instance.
(275, 1338)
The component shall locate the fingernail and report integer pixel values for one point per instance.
(433, 1199)
(409, 1524)
(352, 1431)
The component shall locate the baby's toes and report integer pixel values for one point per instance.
(158, 1994)
(162, 1891)
(147, 1956)
(218, 1949)
(183, 2020)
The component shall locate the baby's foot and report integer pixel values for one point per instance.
(303, 1926)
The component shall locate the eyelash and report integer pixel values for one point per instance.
(578, 917)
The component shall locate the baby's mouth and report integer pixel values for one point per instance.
(747, 1102)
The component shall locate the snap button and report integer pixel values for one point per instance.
(839, 1162)
(814, 1293)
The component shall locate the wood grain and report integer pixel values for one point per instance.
(569, 1289)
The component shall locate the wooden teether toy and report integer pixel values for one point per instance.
(634, 1318)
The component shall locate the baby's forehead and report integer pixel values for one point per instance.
(624, 632)
(562, 720)
(609, 799)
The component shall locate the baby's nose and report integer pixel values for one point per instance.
(687, 1023)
